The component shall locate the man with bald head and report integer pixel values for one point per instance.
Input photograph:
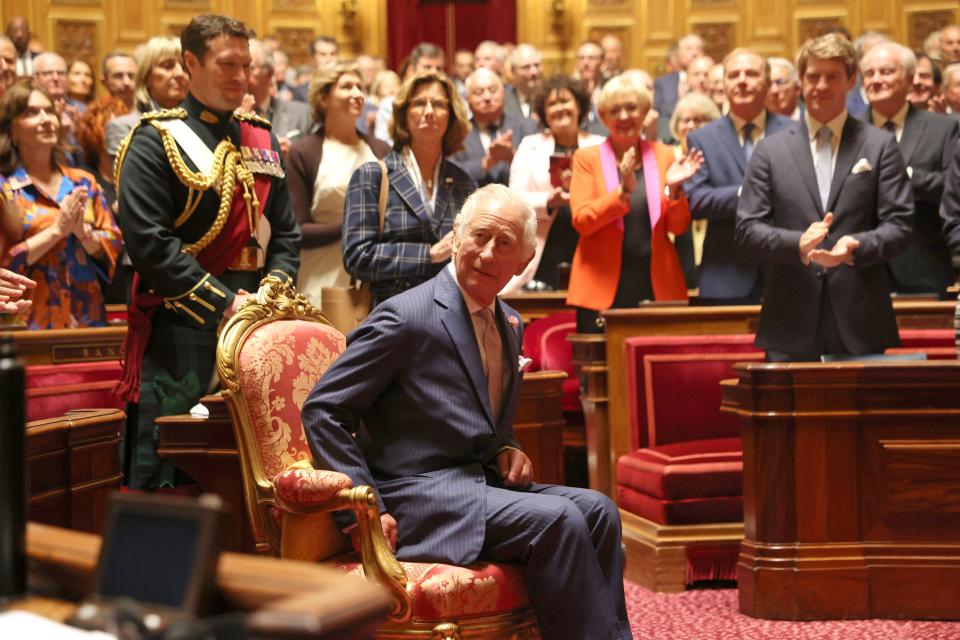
(950, 44)
(526, 61)
(612, 55)
(18, 30)
(495, 134)
(489, 55)
(671, 87)
(727, 276)
(698, 74)
(926, 142)
(50, 72)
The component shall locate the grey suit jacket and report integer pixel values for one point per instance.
(926, 143)
(287, 116)
(780, 200)
(118, 128)
(471, 157)
(411, 385)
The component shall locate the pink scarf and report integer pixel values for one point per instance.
(651, 176)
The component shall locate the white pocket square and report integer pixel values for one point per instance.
(862, 166)
(524, 364)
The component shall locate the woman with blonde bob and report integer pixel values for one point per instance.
(161, 83)
(625, 195)
(319, 167)
(425, 192)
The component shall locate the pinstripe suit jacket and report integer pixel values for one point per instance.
(411, 385)
(399, 258)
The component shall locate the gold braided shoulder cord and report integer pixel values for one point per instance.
(227, 167)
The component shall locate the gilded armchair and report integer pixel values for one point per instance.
(269, 356)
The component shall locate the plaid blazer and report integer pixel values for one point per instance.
(398, 258)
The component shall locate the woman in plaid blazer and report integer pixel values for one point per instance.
(425, 192)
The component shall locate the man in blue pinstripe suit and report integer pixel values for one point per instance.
(430, 384)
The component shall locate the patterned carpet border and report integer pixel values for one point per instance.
(711, 614)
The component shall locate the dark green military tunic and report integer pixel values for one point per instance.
(179, 364)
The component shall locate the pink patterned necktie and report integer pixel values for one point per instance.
(493, 350)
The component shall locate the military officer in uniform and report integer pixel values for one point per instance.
(205, 214)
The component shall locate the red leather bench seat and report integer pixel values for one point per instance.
(54, 389)
(545, 343)
(684, 483)
(687, 462)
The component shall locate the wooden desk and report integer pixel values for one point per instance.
(59, 346)
(285, 598)
(206, 449)
(851, 489)
(73, 466)
(612, 422)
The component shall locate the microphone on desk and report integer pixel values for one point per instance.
(13, 475)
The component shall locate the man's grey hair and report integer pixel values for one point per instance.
(864, 38)
(47, 56)
(266, 55)
(507, 198)
(783, 63)
(908, 61)
(492, 44)
(523, 49)
(477, 74)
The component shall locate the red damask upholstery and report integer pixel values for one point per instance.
(545, 343)
(444, 592)
(54, 389)
(279, 364)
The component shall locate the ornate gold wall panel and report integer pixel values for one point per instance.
(90, 28)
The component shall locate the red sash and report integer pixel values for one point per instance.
(214, 258)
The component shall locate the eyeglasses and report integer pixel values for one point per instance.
(52, 72)
(437, 104)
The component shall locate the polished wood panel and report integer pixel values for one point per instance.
(285, 598)
(60, 346)
(206, 449)
(851, 489)
(74, 465)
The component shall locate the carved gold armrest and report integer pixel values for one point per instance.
(379, 563)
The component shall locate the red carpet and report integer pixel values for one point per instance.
(711, 614)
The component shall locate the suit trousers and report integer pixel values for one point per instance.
(827, 339)
(568, 542)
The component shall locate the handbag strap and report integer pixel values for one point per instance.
(384, 187)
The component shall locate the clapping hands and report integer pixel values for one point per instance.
(841, 253)
(684, 168)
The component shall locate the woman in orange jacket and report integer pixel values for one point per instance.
(625, 195)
